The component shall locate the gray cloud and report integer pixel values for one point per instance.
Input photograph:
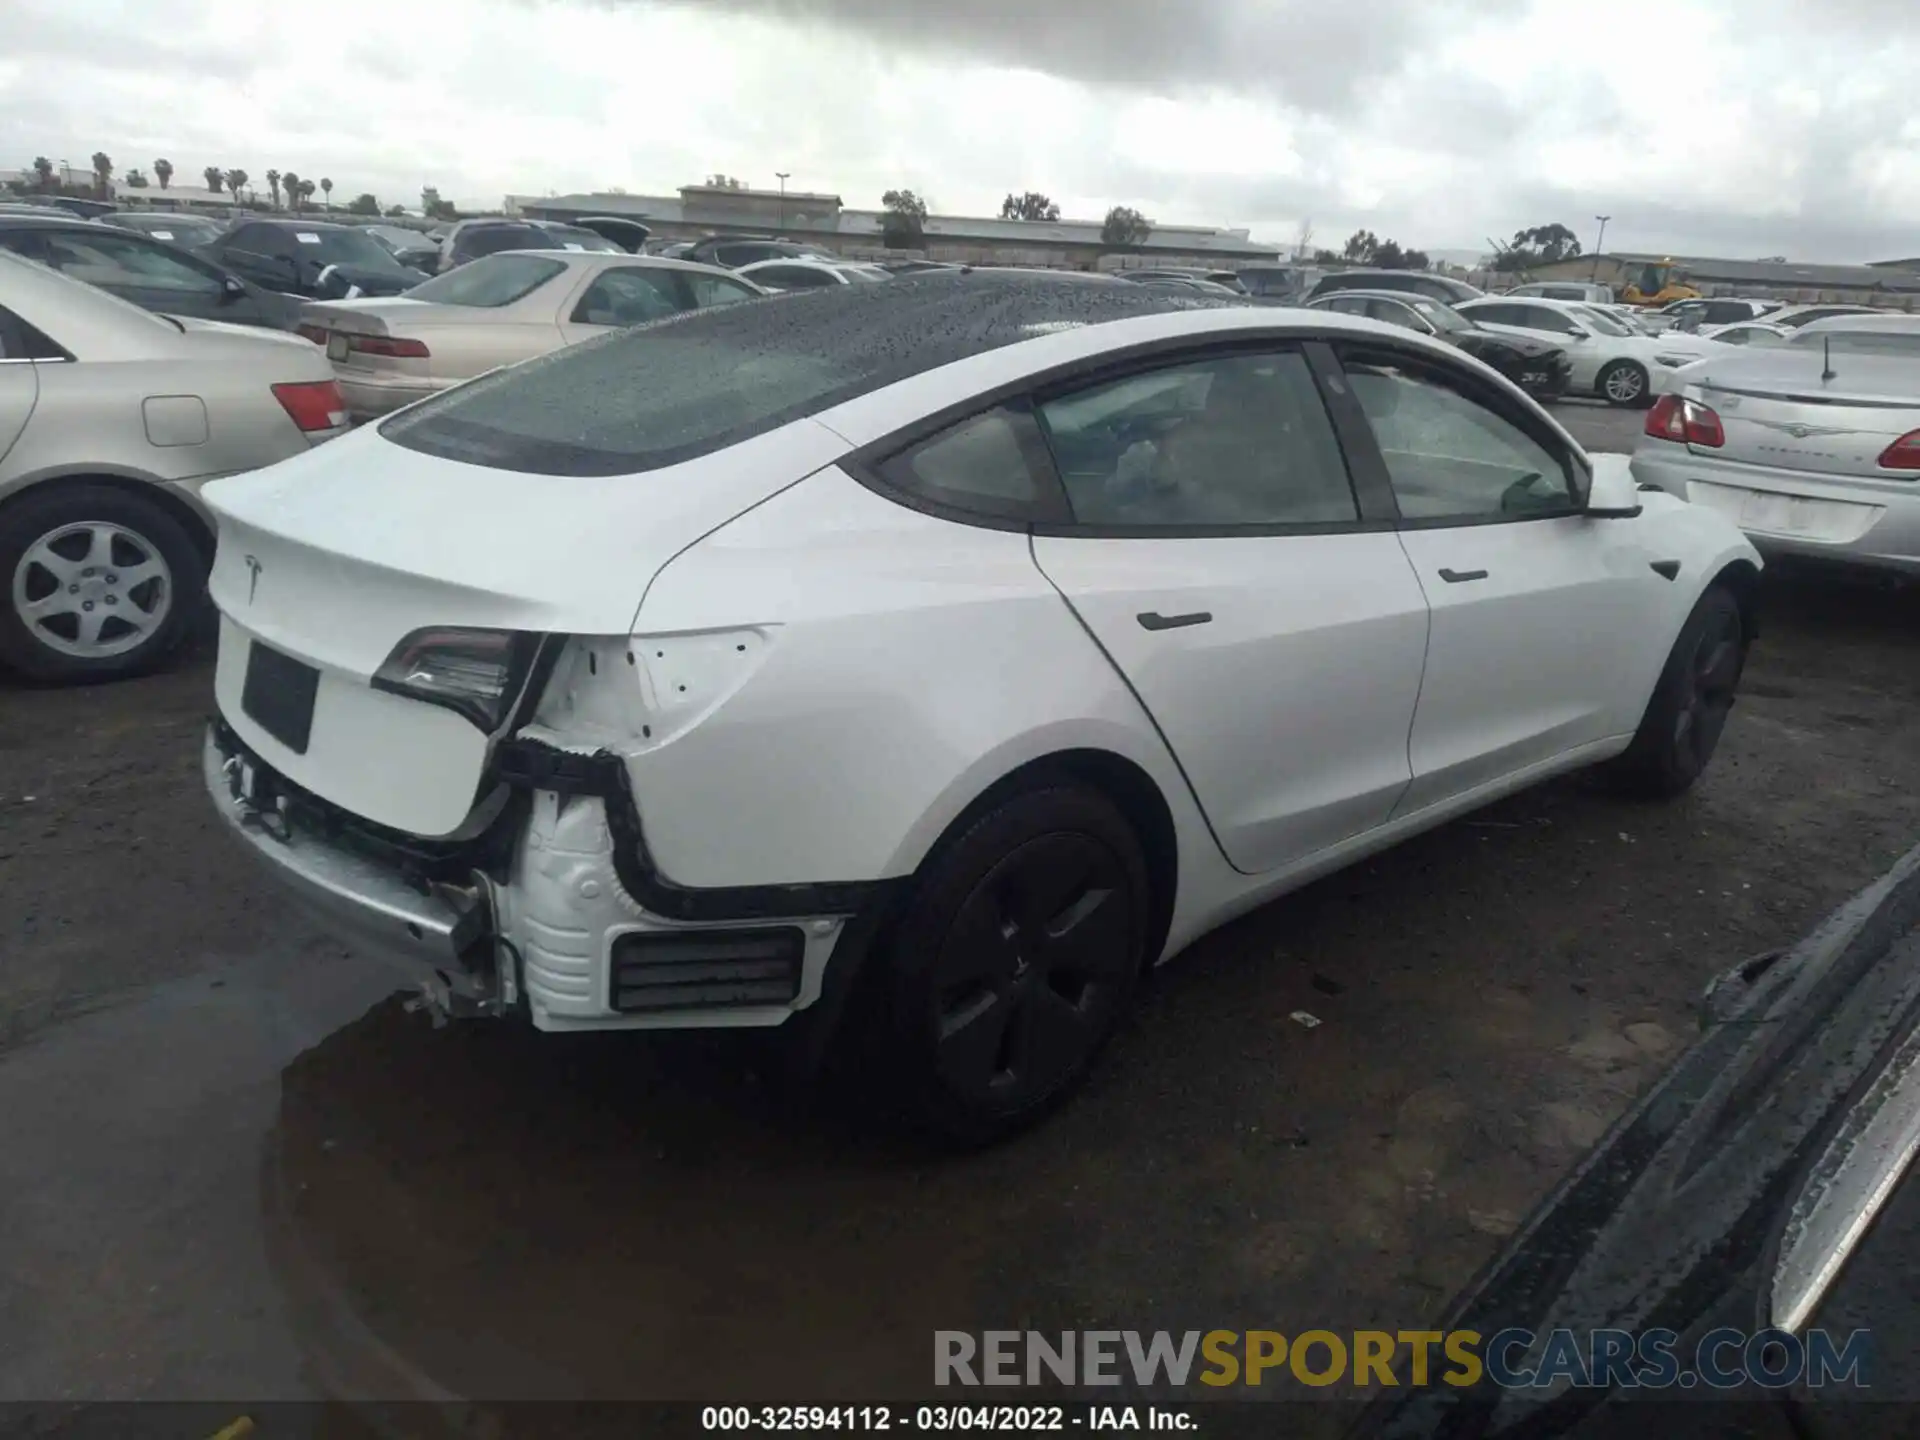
(1302, 53)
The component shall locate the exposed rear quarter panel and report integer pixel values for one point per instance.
(915, 662)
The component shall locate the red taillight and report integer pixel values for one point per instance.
(313, 405)
(1663, 420)
(1902, 454)
(388, 345)
(1686, 421)
(315, 333)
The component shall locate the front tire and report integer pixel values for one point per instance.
(96, 583)
(1624, 383)
(1682, 725)
(1016, 959)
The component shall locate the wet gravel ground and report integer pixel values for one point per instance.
(233, 1167)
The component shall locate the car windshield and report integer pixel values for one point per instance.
(492, 239)
(489, 282)
(665, 392)
(180, 229)
(1443, 318)
(1603, 322)
(572, 237)
(1841, 341)
(346, 247)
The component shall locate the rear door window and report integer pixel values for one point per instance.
(120, 262)
(629, 295)
(1230, 442)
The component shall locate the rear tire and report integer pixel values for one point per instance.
(1689, 708)
(1625, 383)
(96, 583)
(1015, 961)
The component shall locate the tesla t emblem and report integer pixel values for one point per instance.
(253, 583)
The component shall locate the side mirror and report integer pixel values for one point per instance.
(233, 289)
(1613, 495)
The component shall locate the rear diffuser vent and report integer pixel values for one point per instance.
(707, 969)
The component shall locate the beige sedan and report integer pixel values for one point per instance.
(111, 420)
(498, 310)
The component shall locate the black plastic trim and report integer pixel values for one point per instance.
(1666, 569)
(529, 765)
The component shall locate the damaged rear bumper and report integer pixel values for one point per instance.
(554, 909)
(439, 935)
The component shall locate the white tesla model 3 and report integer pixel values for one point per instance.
(985, 637)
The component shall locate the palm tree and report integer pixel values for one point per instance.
(273, 187)
(102, 172)
(306, 191)
(290, 183)
(215, 178)
(43, 172)
(235, 180)
(326, 185)
(163, 172)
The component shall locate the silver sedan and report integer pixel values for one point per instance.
(499, 310)
(111, 419)
(1810, 445)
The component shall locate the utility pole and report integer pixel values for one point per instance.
(783, 174)
(1597, 244)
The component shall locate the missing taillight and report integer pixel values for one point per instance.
(477, 673)
(313, 405)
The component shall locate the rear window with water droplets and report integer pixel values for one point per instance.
(659, 394)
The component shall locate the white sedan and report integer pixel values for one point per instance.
(499, 310)
(979, 640)
(802, 274)
(1608, 357)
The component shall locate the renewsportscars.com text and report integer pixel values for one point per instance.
(1512, 1359)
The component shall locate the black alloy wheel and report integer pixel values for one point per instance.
(1689, 709)
(1017, 958)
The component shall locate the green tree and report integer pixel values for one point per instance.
(433, 207)
(290, 187)
(1360, 247)
(215, 178)
(1124, 228)
(394, 212)
(136, 180)
(236, 181)
(364, 204)
(326, 188)
(42, 172)
(102, 173)
(903, 225)
(273, 187)
(306, 192)
(1030, 206)
(163, 172)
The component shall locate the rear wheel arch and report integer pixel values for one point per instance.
(1125, 785)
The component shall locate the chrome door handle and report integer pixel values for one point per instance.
(1152, 621)
(1460, 577)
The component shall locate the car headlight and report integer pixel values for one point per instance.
(477, 673)
(1676, 361)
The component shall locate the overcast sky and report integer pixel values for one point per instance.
(1727, 127)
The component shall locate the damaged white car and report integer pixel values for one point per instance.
(983, 638)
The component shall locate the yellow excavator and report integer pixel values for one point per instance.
(1660, 284)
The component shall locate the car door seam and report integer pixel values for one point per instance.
(1420, 689)
(1172, 754)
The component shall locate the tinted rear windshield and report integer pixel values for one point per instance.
(658, 394)
(491, 239)
(490, 281)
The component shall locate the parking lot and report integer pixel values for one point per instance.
(231, 1163)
